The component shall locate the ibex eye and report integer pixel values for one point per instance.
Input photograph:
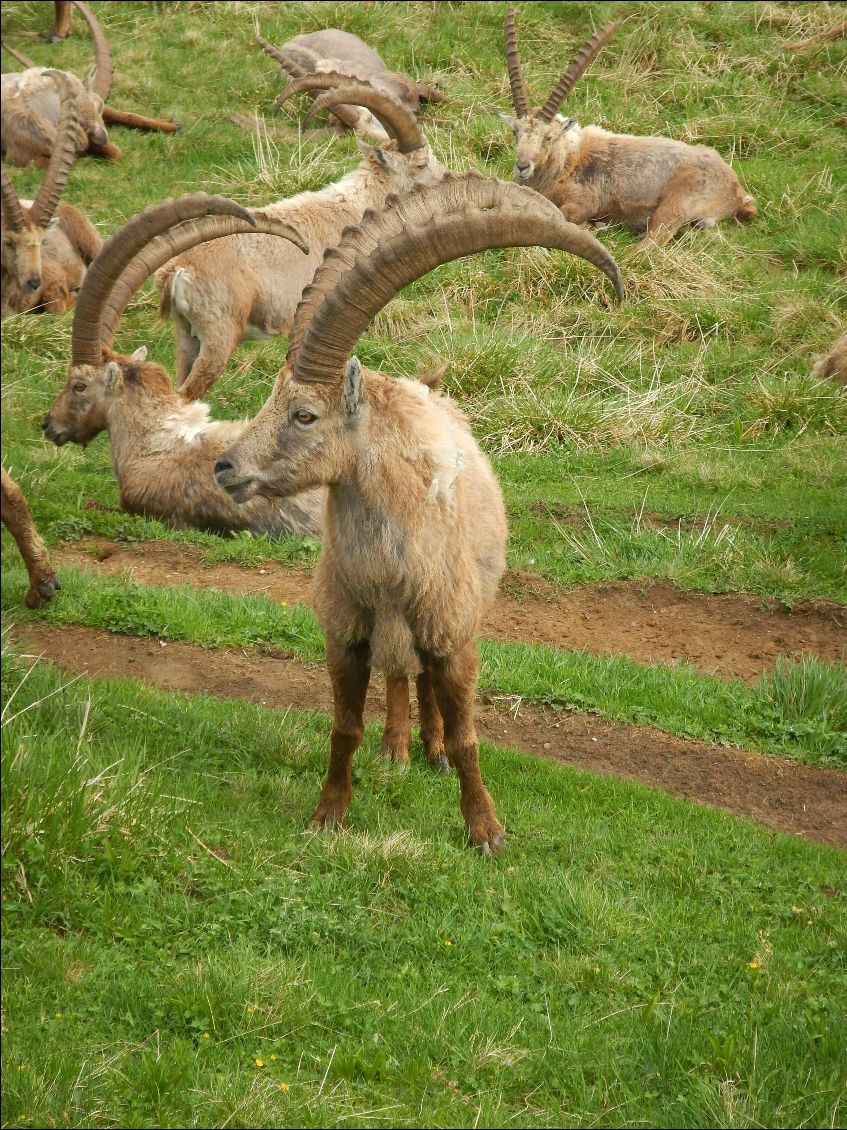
(304, 417)
(79, 387)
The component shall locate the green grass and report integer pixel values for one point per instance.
(682, 967)
(167, 924)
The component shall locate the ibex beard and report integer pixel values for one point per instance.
(414, 547)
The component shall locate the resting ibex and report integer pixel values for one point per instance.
(415, 527)
(15, 515)
(339, 56)
(834, 364)
(650, 184)
(45, 247)
(249, 286)
(164, 450)
(30, 108)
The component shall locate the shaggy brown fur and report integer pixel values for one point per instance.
(55, 259)
(834, 364)
(15, 515)
(30, 114)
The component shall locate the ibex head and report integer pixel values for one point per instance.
(536, 129)
(134, 252)
(25, 226)
(308, 431)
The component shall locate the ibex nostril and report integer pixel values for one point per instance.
(32, 283)
(222, 465)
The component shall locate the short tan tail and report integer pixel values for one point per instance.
(164, 281)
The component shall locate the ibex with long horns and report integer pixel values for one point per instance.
(31, 110)
(46, 246)
(415, 527)
(249, 286)
(335, 58)
(15, 515)
(650, 184)
(163, 449)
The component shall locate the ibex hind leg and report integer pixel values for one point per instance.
(397, 735)
(187, 348)
(454, 681)
(15, 515)
(349, 672)
(688, 200)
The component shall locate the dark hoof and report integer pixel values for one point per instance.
(41, 591)
(440, 764)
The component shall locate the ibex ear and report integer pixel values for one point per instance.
(140, 353)
(507, 118)
(114, 377)
(351, 396)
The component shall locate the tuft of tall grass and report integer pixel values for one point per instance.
(808, 690)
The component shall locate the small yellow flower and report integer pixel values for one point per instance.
(274, 1057)
(447, 942)
(58, 1016)
(260, 1063)
(206, 1036)
(21, 1066)
(250, 1008)
(284, 1087)
(753, 965)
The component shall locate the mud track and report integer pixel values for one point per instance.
(781, 794)
(727, 636)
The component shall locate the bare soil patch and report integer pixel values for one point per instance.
(727, 636)
(791, 798)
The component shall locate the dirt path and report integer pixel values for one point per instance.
(728, 636)
(788, 797)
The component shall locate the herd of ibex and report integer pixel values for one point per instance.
(384, 470)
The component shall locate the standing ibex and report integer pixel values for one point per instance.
(163, 449)
(15, 515)
(651, 184)
(31, 109)
(249, 286)
(339, 57)
(415, 527)
(45, 246)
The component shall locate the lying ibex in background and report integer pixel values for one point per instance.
(834, 364)
(45, 246)
(415, 527)
(15, 515)
(650, 184)
(164, 450)
(345, 57)
(30, 108)
(249, 286)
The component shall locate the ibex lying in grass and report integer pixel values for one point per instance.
(249, 286)
(650, 184)
(164, 450)
(834, 364)
(31, 109)
(344, 56)
(15, 515)
(46, 246)
(415, 527)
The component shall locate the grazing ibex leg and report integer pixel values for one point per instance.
(397, 735)
(15, 514)
(63, 19)
(432, 725)
(454, 680)
(211, 360)
(187, 348)
(350, 672)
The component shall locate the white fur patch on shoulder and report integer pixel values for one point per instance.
(189, 423)
(419, 390)
(449, 463)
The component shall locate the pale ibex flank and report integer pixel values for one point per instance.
(650, 184)
(344, 56)
(30, 109)
(415, 527)
(249, 286)
(15, 515)
(164, 450)
(45, 246)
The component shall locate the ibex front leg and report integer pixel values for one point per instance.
(15, 514)
(350, 672)
(454, 682)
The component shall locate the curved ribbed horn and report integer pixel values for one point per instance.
(64, 151)
(24, 60)
(520, 96)
(394, 117)
(166, 246)
(323, 80)
(417, 232)
(102, 84)
(118, 251)
(576, 69)
(269, 49)
(11, 204)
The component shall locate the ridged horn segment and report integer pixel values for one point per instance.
(520, 95)
(102, 56)
(397, 121)
(175, 241)
(118, 251)
(416, 233)
(12, 209)
(24, 60)
(269, 49)
(577, 67)
(64, 151)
